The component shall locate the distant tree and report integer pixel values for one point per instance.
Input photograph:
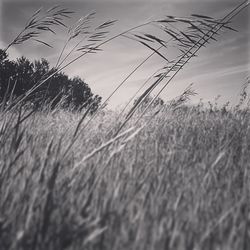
(7, 74)
(18, 77)
(23, 74)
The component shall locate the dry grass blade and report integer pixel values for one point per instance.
(96, 233)
(142, 86)
(202, 16)
(41, 22)
(177, 66)
(154, 38)
(166, 21)
(42, 42)
(103, 146)
(155, 50)
(106, 24)
(81, 26)
(183, 98)
(143, 96)
(81, 121)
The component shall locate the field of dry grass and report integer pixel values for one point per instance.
(174, 178)
(181, 182)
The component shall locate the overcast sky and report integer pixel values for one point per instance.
(220, 69)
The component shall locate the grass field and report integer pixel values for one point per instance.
(182, 182)
(174, 178)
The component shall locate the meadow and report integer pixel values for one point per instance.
(181, 182)
(170, 176)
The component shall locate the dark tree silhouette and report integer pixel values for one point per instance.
(7, 74)
(18, 77)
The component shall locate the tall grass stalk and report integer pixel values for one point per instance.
(179, 181)
(188, 55)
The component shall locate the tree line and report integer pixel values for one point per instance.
(20, 75)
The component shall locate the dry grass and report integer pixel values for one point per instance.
(175, 178)
(183, 182)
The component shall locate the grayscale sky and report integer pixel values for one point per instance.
(220, 69)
